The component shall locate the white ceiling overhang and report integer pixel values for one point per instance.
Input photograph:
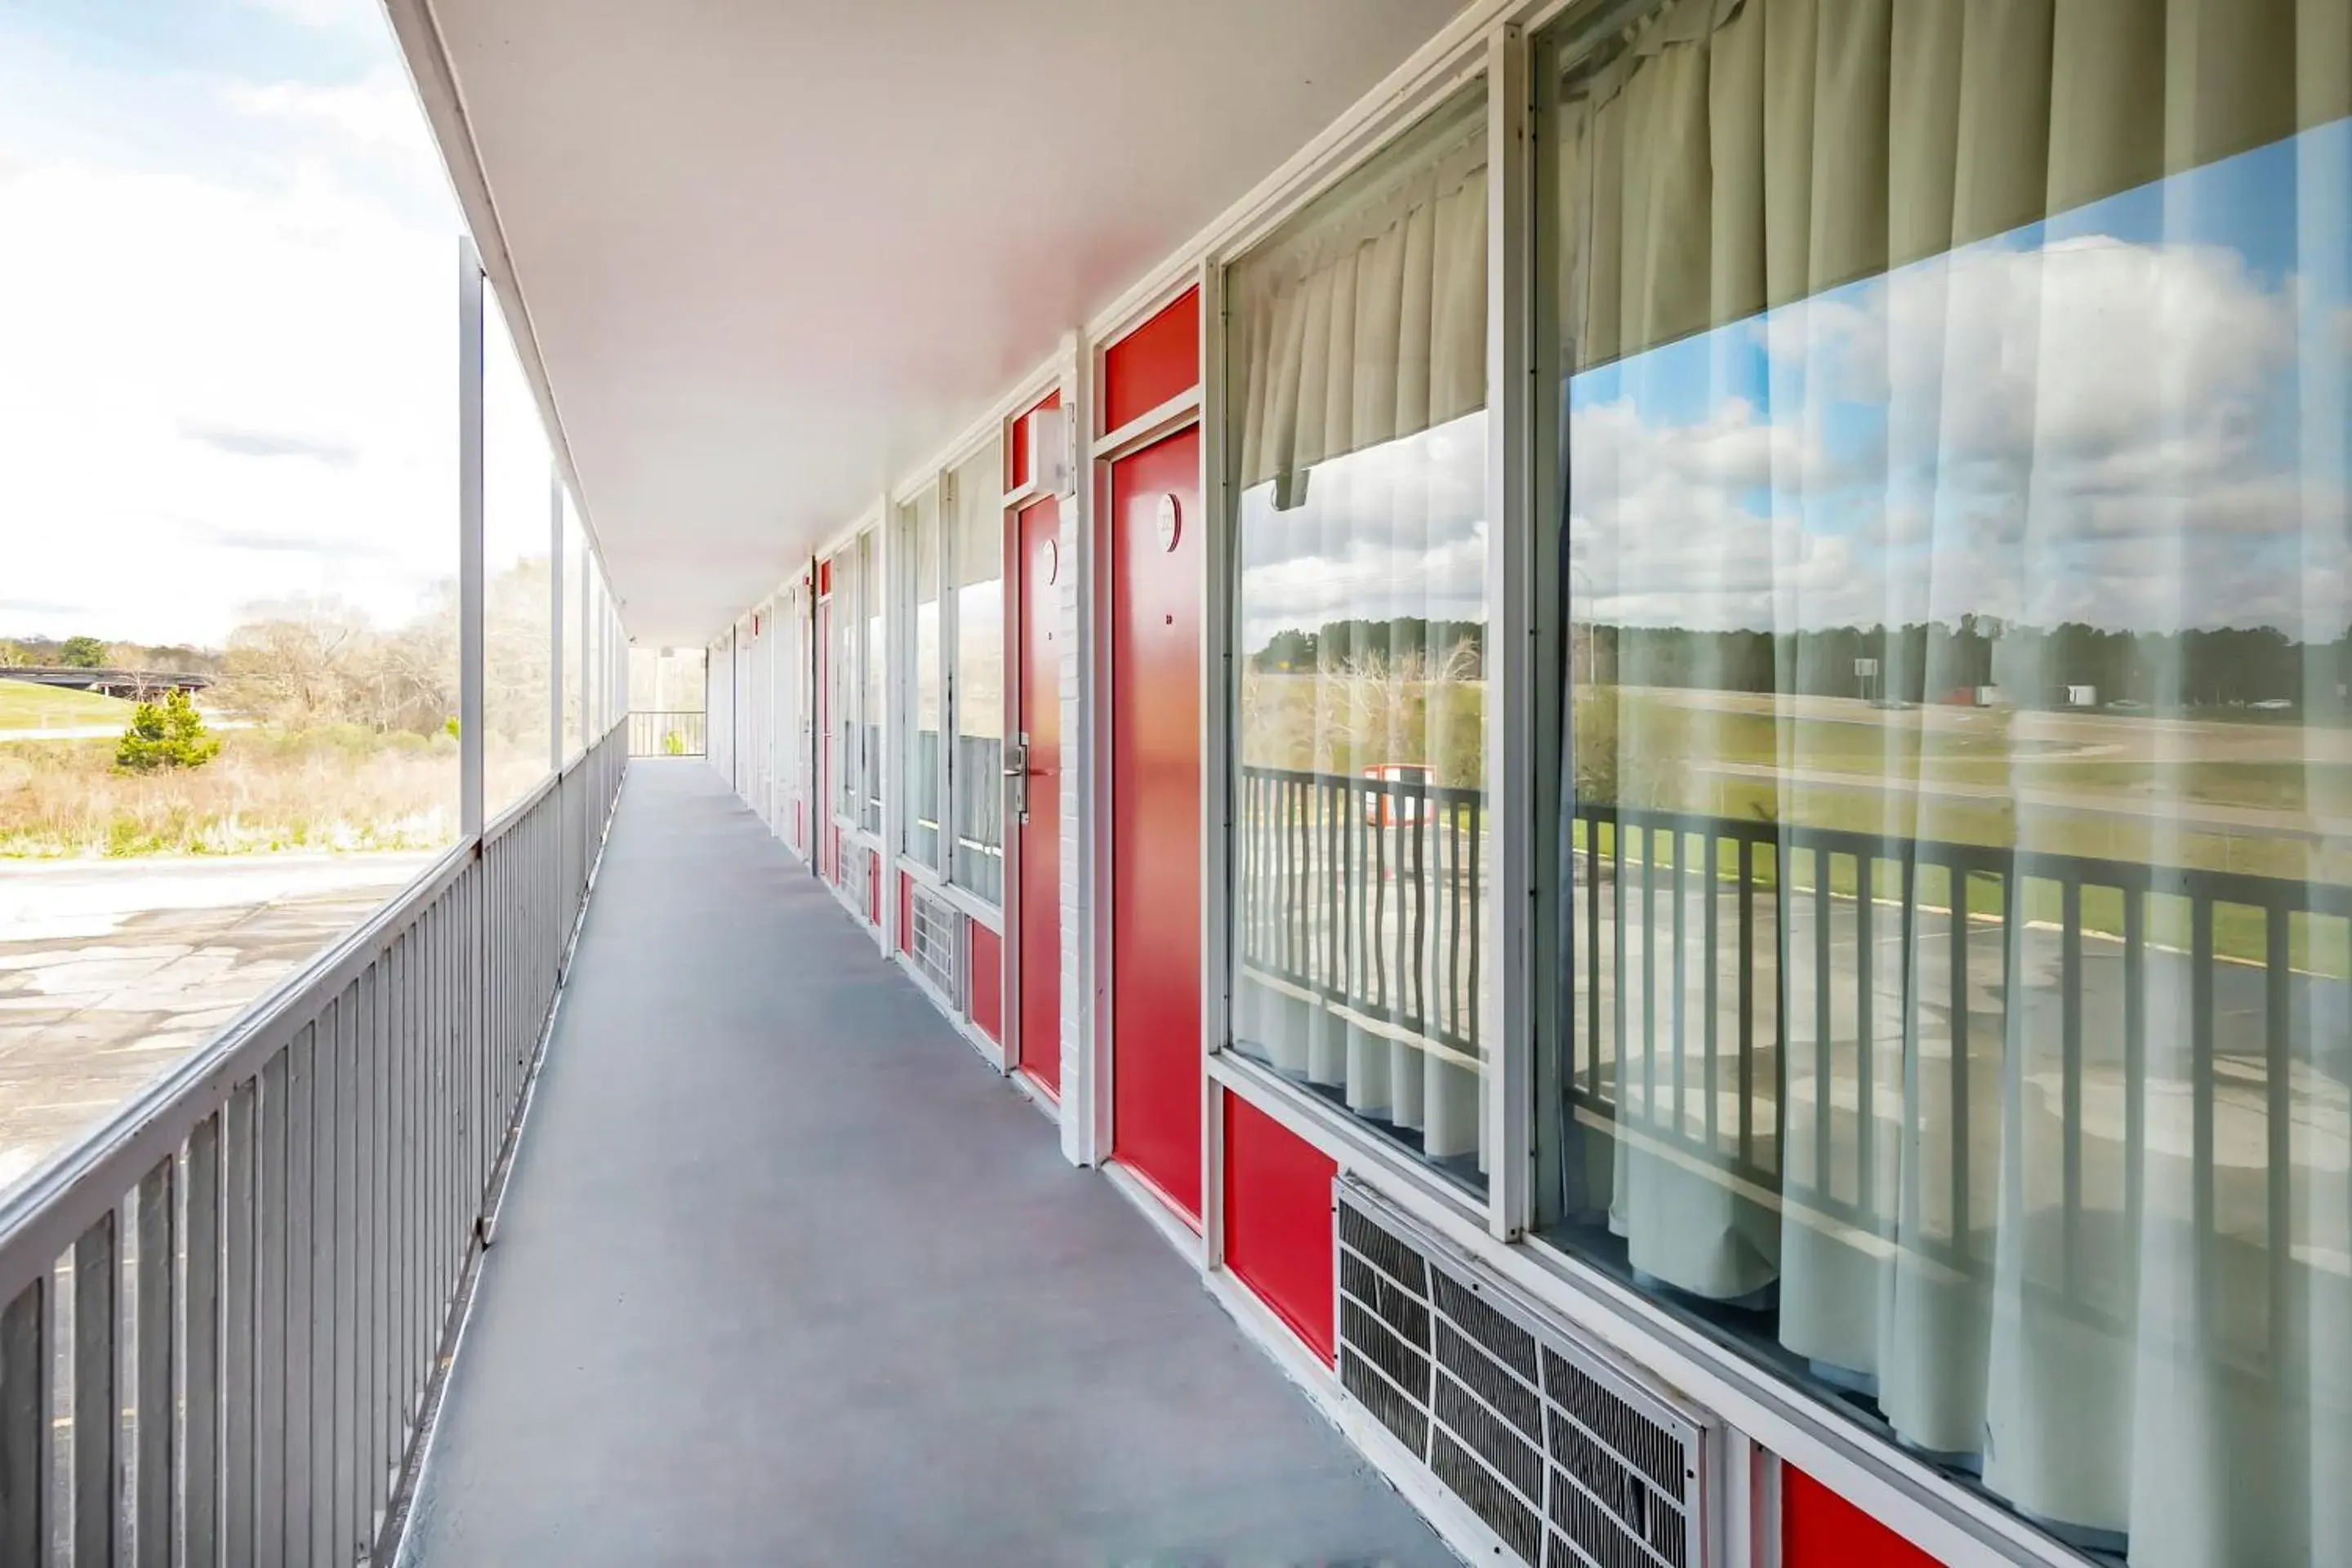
(767, 256)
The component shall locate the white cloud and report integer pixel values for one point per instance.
(1392, 530)
(2099, 431)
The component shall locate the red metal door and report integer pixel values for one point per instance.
(1038, 1039)
(1156, 528)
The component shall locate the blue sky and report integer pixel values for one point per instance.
(2130, 414)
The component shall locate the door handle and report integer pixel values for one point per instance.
(1016, 775)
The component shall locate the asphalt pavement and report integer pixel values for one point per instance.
(112, 970)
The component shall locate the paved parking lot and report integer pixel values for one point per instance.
(110, 970)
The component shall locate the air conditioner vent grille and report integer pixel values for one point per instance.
(1405, 1418)
(1490, 1437)
(937, 949)
(1505, 1395)
(1473, 1483)
(1402, 1364)
(1634, 1438)
(1386, 1252)
(1405, 1314)
(1510, 1344)
(1569, 1459)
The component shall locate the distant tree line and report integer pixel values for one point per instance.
(97, 653)
(310, 663)
(1932, 661)
(2029, 665)
(1458, 646)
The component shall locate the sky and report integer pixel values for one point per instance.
(2132, 415)
(228, 364)
(2135, 415)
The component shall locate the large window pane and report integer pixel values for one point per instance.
(842, 689)
(874, 663)
(575, 627)
(518, 537)
(926, 766)
(979, 762)
(228, 486)
(1360, 385)
(1961, 1021)
(597, 698)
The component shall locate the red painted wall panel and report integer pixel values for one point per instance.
(987, 951)
(1819, 1528)
(1153, 363)
(1155, 739)
(1016, 455)
(1040, 1035)
(1278, 1221)
(906, 914)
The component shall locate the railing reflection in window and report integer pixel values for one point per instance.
(1797, 1056)
(979, 796)
(1361, 947)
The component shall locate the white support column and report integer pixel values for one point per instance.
(554, 618)
(885, 589)
(1073, 609)
(1507, 1115)
(469, 540)
(1217, 516)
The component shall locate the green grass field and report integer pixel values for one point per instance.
(26, 706)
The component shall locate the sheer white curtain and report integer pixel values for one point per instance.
(1361, 387)
(1983, 363)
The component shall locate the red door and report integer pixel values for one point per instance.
(1038, 1040)
(1156, 528)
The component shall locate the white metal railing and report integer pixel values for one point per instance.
(226, 1307)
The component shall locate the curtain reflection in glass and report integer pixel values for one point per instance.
(1959, 601)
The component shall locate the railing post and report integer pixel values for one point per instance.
(469, 540)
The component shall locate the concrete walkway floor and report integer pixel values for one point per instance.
(786, 1274)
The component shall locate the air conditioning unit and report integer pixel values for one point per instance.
(938, 953)
(1572, 1459)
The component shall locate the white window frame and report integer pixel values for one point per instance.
(989, 911)
(905, 511)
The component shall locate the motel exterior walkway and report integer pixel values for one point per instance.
(786, 1273)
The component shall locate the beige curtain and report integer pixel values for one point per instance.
(1371, 324)
(1734, 162)
(1738, 156)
